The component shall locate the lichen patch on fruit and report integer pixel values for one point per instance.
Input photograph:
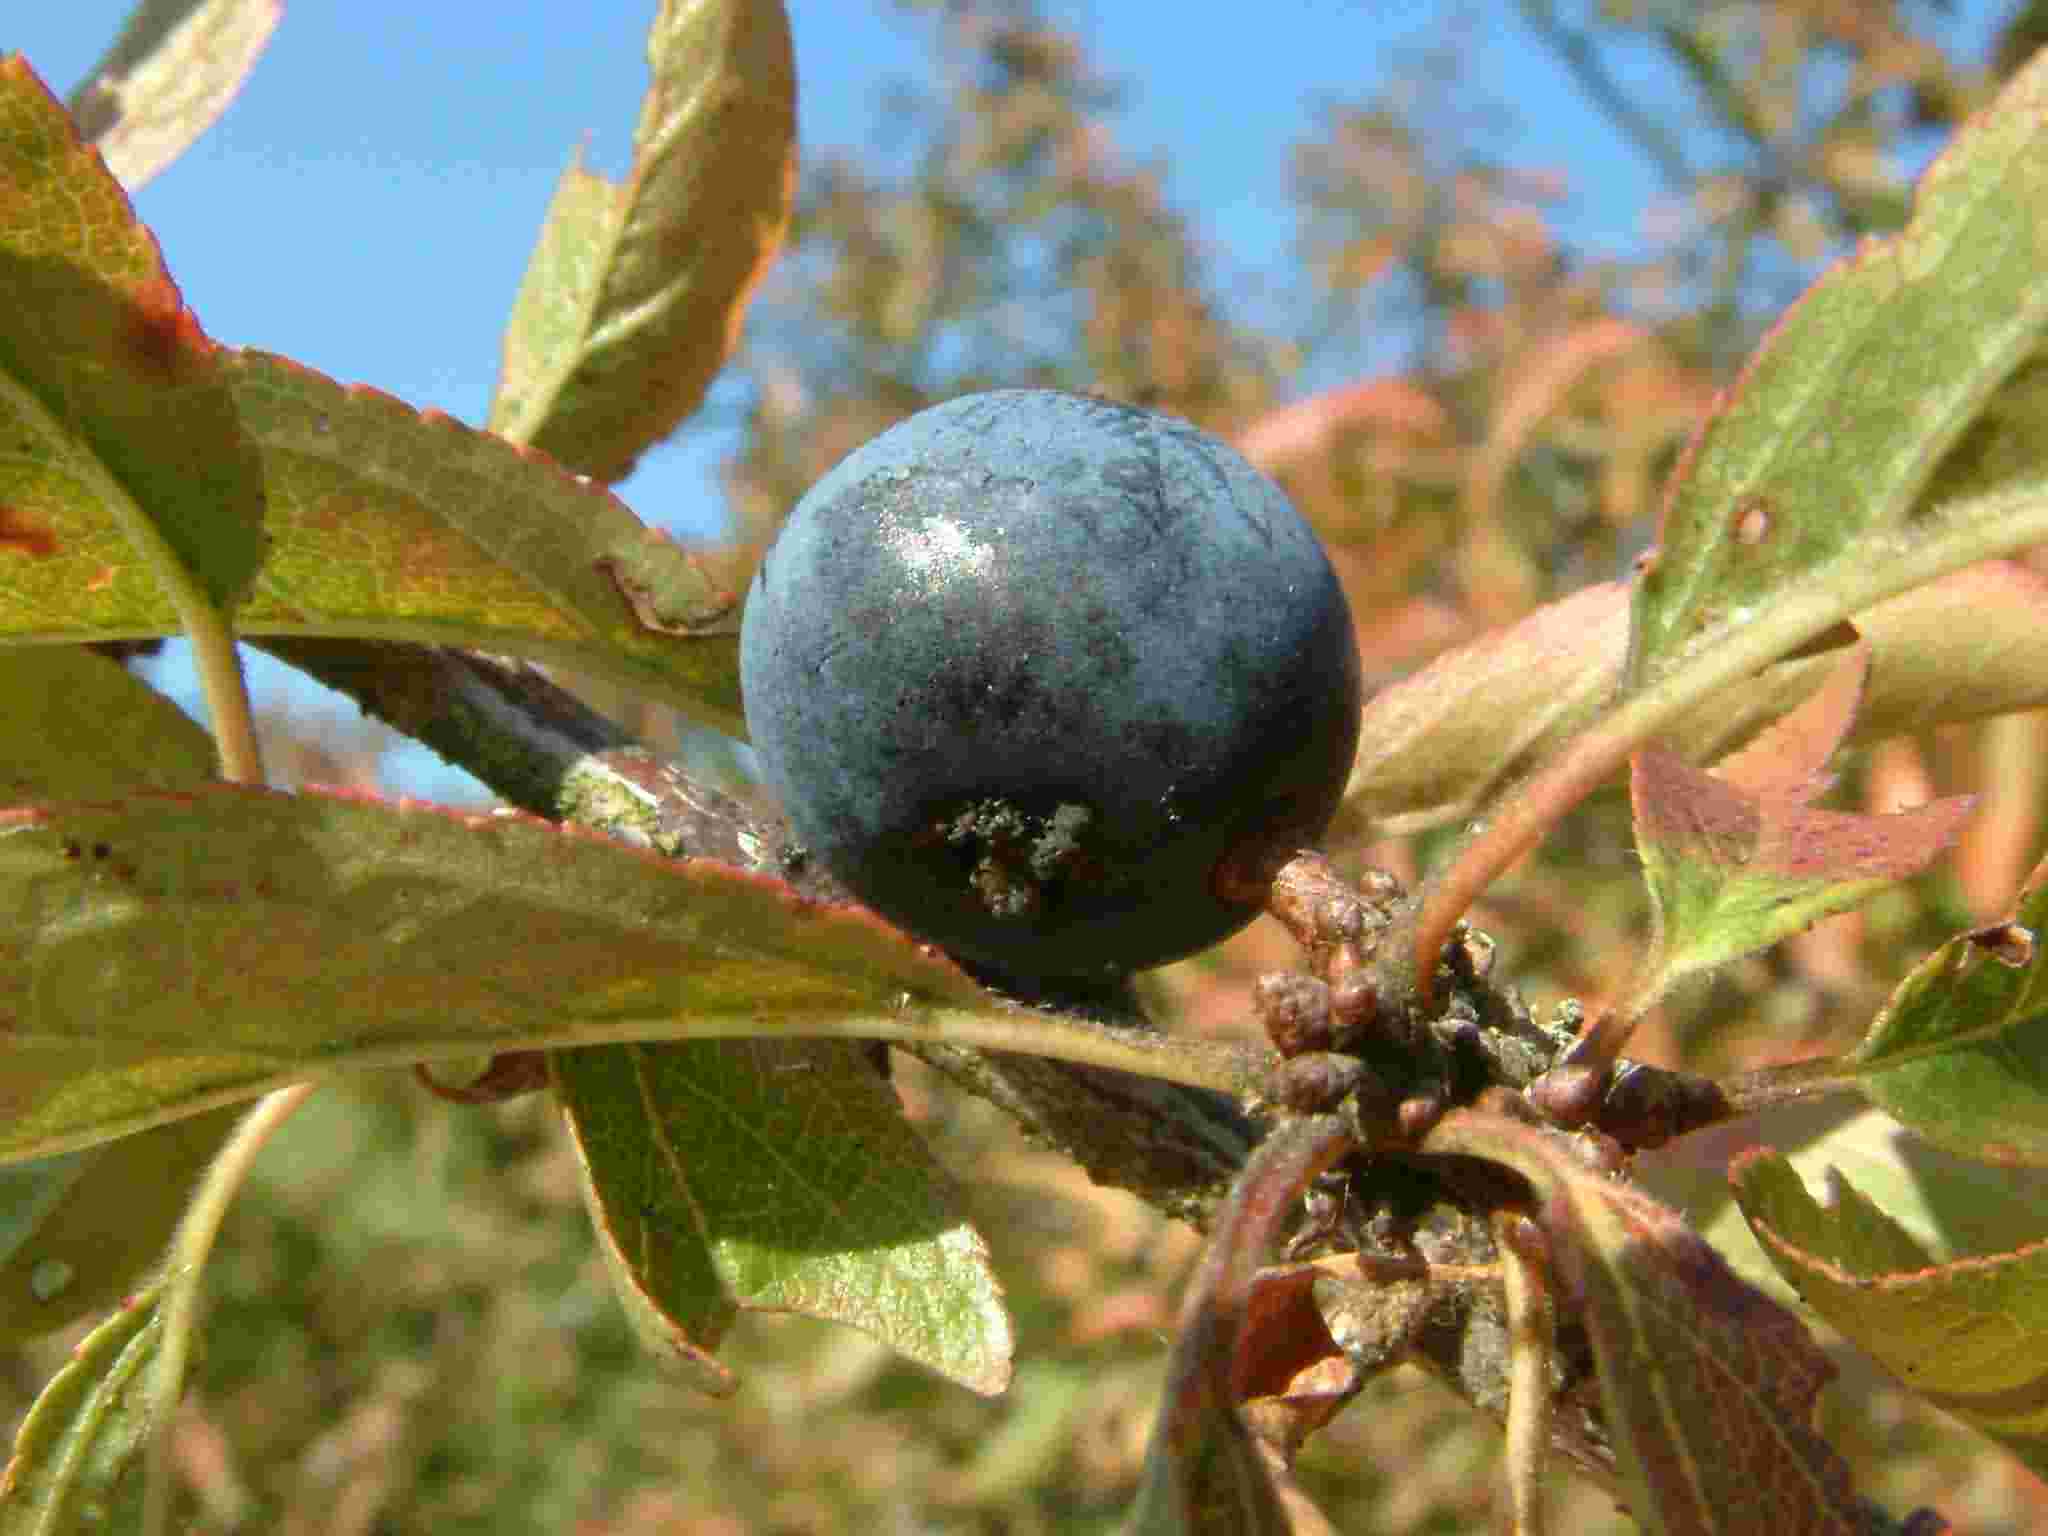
(1019, 861)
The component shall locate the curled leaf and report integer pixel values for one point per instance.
(1206, 1474)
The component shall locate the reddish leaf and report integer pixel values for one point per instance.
(1205, 1472)
(1737, 859)
(127, 463)
(1709, 1384)
(1391, 407)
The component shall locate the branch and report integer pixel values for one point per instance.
(544, 751)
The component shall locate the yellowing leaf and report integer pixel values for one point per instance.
(389, 523)
(1435, 746)
(171, 73)
(1970, 1335)
(396, 524)
(635, 294)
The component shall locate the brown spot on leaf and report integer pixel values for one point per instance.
(1753, 520)
(330, 513)
(509, 1076)
(1837, 636)
(669, 617)
(162, 334)
(18, 532)
(2007, 943)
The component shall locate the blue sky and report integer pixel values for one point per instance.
(368, 204)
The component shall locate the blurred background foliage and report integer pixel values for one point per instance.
(409, 1328)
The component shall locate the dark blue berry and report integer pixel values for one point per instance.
(1032, 672)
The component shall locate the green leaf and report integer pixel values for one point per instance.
(123, 467)
(77, 1230)
(168, 77)
(635, 294)
(1969, 1335)
(139, 460)
(169, 952)
(1738, 859)
(396, 525)
(2004, 443)
(1960, 1052)
(81, 727)
(1838, 424)
(1709, 1385)
(730, 1176)
(77, 1463)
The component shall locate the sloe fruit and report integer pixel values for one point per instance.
(1029, 667)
